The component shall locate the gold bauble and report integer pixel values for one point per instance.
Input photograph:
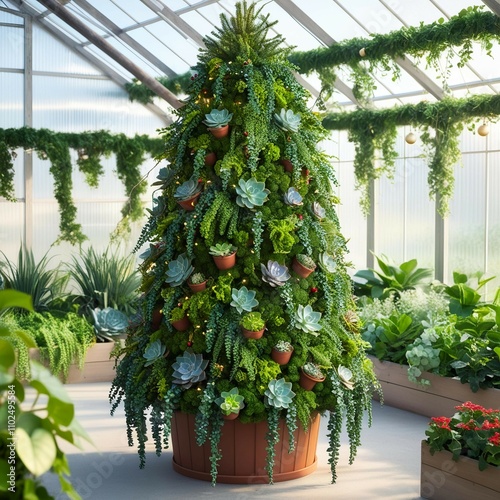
(411, 138)
(483, 130)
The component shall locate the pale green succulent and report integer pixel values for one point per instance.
(313, 370)
(230, 401)
(188, 189)
(307, 320)
(292, 197)
(275, 274)
(217, 118)
(222, 249)
(153, 351)
(189, 369)
(197, 279)
(279, 393)
(243, 299)
(346, 377)
(327, 262)
(287, 120)
(179, 270)
(251, 193)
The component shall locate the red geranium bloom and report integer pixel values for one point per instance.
(495, 439)
(470, 406)
(442, 422)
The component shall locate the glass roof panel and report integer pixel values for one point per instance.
(117, 14)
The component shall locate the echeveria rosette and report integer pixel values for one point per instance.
(318, 210)
(243, 299)
(251, 193)
(179, 270)
(275, 274)
(189, 368)
(292, 197)
(279, 393)
(188, 189)
(287, 120)
(346, 377)
(307, 320)
(109, 320)
(217, 118)
(153, 351)
(327, 262)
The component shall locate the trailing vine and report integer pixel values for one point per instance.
(91, 146)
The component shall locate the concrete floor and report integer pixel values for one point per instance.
(387, 465)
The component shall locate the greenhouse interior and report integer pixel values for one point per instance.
(250, 248)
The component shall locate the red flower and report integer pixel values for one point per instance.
(470, 406)
(471, 425)
(487, 424)
(495, 439)
(442, 422)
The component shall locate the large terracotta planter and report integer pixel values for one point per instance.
(442, 478)
(438, 398)
(97, 367)
(243, 448)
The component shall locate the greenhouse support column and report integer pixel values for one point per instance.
(370, 226)
(441, 255)
(28, 122)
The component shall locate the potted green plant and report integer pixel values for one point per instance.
(282, 352)
(303, 265)
(310, 375)
(245, 202)
(468, 441)
(252, 325)
(230, 402)
(179, 319)
(188, 193)
(224, 255)
(197, 282)
(217, 122)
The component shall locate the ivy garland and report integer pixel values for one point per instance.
(91, 146)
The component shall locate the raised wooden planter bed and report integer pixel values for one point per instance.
(98, 367)
(441, 478)
(438, 398)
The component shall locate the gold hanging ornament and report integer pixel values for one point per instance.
(362, 52)
(411, 138)
(483, 130)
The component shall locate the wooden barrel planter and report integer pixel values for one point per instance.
(243, 448)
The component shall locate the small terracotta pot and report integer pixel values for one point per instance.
(189, 204)
(224, 262)
(307, 382)
(219, 132)
(156, 319)
(301, 270)
(198, 287)
(287, 164)
(281, 357)
(249, 334)
(210, 159)
(231, 416)
(182, 324)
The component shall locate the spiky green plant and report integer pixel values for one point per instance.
(34, 278)
(105, 279)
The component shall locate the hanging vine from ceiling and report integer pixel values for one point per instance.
(91, 147)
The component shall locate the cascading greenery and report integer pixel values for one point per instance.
(91, 146)
(374, 132)
(245, 202)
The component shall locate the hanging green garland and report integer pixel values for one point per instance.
(91, 146)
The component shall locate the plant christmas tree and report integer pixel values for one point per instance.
(263, 190)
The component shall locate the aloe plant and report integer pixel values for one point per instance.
(179, 270)
(279, 393)
(243, 299)
(275, 274)
(251, 193)
(217, 118)
(189, 368)
(188, 189)
(307, 320)
(287, 120)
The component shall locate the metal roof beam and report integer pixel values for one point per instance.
(494, 5)
(111, 51)
(117, 31)
(317, 31)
